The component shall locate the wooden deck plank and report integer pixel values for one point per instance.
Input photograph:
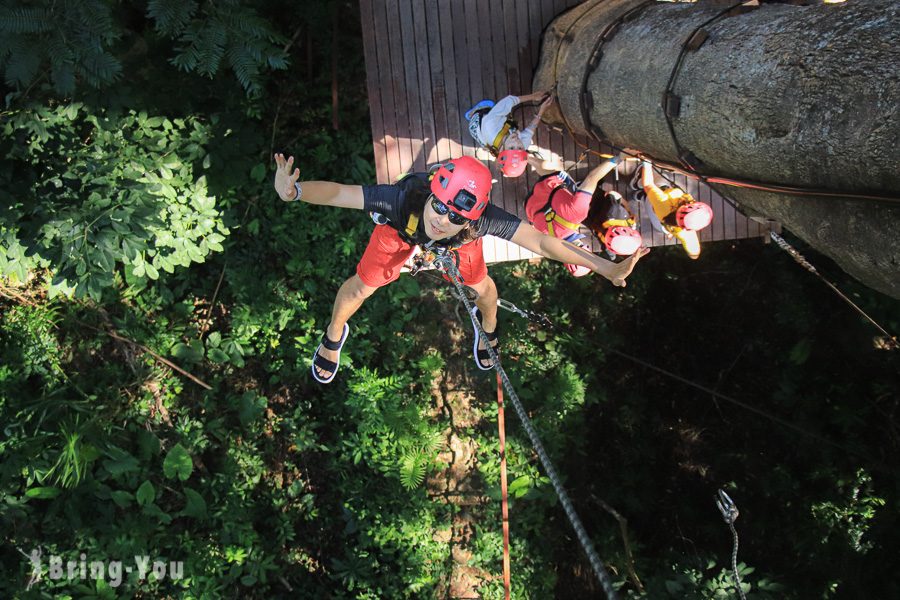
(373, 87)
(414, 86)
(425, 82)
(456, 135)
(382, 65)
(438, 99)
(398, 77)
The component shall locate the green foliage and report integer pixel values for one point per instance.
(231, 30)
(75, 42)
(178, 463)
(851, 515)
(74, 38)
(123, 191)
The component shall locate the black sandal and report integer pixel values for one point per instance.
(481, 354)
(323, 363)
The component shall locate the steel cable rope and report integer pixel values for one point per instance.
(730, 514)
(544, 321)
(801, 260)
(892, 342)
(445, 263)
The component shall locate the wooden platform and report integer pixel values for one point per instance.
(428, 61)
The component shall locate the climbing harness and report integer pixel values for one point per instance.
(504, 497)
(475, 125)
(551, 217)
(730, 513)
(891, 342)
(452, 272)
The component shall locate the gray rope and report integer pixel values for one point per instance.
(446, 264)
(801, 260)
(730, 513)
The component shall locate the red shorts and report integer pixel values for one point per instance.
(380, 263)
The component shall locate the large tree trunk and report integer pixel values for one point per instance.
(804, 96)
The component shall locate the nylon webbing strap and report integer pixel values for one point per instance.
(801, 260)
(671, 104)
(504, 501)
(559, 53)
(583, 97)
(599, 570)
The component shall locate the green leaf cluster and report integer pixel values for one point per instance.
(122, 193)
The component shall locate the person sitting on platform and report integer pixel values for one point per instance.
(675, 212)
(494, 130)
(445, 211)
(557, 205)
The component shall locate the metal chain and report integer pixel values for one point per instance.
(891, 342)
(446, 265)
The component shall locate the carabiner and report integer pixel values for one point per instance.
(727, 507)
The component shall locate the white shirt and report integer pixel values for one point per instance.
(493, 121)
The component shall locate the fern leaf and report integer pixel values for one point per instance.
(171, 16)
(25, 20)
(412, 470)
(211, 48)
(100, 67)
(23, 65)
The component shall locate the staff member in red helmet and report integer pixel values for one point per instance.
(494, 130)
(451, 210)
(557, 205)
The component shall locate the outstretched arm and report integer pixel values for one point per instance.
(534, 97)
(647, 175)
(597, 173)
(547, 103)
(326, 193)
(556, 249)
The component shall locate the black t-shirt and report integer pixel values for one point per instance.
(390, 201)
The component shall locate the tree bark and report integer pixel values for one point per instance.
(804, 96)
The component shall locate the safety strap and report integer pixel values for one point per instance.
(504, 502)
(494, 147)
(550, 216)
(412, 224)
(618, 223)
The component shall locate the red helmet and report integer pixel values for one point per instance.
(621, 240)
(694, 216)
(463, 184)
(513, 162)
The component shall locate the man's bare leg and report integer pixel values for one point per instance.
(487, 305)
(350, 297)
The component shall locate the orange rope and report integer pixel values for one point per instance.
(501, 425)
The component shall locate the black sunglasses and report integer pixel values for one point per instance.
(442, 209)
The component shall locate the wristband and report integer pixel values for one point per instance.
(614, 160)
(299, 191)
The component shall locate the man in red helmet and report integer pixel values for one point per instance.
(557, 205)
(492, 128)
(676, 212)
(450, 211)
